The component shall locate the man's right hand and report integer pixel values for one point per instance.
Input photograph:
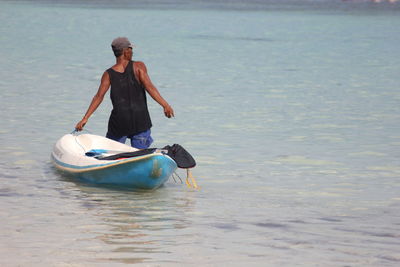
(79, 126)
(168, 111)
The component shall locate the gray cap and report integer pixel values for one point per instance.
(121, 43)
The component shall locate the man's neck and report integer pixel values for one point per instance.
(122, 61)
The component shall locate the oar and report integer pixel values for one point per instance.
(96, 152)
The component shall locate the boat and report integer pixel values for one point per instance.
(96, 159)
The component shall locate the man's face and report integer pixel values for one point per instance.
(128, 53)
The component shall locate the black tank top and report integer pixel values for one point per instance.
(130, 114)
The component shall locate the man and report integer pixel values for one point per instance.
(129, 82)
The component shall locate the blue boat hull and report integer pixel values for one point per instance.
(149, 172)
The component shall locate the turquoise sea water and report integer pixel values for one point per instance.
(291, 109)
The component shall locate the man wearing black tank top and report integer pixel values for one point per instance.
(129, 83)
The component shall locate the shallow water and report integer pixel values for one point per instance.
(291, 110)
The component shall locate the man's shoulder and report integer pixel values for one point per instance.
(106, 74)
(139, 65)
(109, 69)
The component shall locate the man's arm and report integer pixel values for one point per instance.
(96, 101)
(144, 79)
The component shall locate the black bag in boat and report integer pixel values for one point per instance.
(182, 158)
